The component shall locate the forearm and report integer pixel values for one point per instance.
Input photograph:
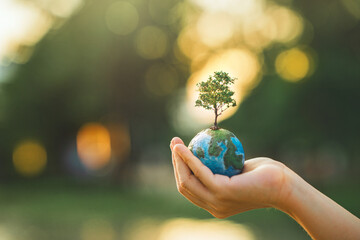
(320, 216)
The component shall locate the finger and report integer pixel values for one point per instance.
(202, 172)
(196, 201)
(174, 162)
(253, 163)
(175, 168)
(174, 141)
(186, 180)
(248, 179)
(184, 191)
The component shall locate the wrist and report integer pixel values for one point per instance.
(289, 191)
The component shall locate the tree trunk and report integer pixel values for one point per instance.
(215, 127)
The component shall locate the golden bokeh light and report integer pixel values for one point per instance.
(151, 42)
(25, 23)
(275, 24)
(288, 23)
(144, 228)
(260, 33)
(31, 26)
(94, 146)
(241, 9)
(61, 8)
(230, 36)
(29, 158)
(191, 229)
(230, 23)
(120, 140)
(160, 79)
(239, 63)
(293, 65)
(215, 28)
(122, 18)
(189, 44)
(21, 24)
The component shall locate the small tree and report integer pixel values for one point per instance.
(216, 95)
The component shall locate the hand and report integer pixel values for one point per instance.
(263, 183)
(260, 185)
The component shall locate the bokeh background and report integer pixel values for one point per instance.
(91, 93)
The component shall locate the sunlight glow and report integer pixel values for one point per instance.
(215, 28)
(230, 23)
(243, 8)
(25, 23)
(60, 8)
(94, 146)
(288, 23)
(20, 24)
(232, 36)
(239, 63)
(189, 44)
(275, 24)
(188, 229)
(29, 158)
(191, 229)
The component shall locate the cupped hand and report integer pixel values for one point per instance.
(260, 185)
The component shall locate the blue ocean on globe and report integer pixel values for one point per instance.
(220, 150)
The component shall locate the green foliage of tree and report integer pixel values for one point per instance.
(216, 95)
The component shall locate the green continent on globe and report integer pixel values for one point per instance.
(224, 136)
(200, 152)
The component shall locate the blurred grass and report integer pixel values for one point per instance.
(59, 209)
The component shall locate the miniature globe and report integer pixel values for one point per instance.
(220, 150)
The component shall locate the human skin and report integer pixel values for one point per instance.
(263, 183)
